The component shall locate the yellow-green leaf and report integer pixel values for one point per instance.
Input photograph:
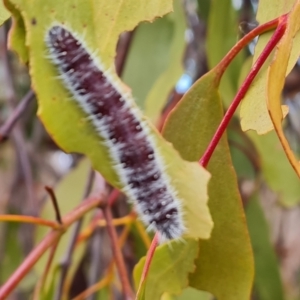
(276, 170)
(225, 264)
(279, 176)
(254, 113)
(276, 78)
(17, 33)
(100, 25)
(193, 294)
(169, 269)
(4, 13)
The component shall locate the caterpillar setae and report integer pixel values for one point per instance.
(137, 161)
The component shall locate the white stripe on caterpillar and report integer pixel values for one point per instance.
(119, 122)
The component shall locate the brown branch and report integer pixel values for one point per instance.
(67, 259)
(17, 134)
(14, 117)
(55, 203)
(49, 240)
(118, 256)
(122, 51)
(38, 288)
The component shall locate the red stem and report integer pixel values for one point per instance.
(45, 244)
(220, 68)
(127, 291)
(113, 197)
(227, 59)
(148, 261)
(243, 89)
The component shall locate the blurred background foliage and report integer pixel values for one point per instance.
(159, 62)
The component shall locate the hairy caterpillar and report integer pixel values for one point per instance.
(137, 162)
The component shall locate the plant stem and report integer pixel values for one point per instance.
(17, 134)
(242, 91)
(50, 239)
(148, 261)
(67, 259)
(30, 220)
(113, 197)
(122, 51)
(17, 113)
(39, 286)
(55, 204)
(244, 41)
(127, 291)
(109, 273)
(227, 59)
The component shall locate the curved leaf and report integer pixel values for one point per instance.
(17, 33)
(4, 13)
(279, 176)
(169, 269)
(254, 113)
(225, 264)
(67, 123)
(276, 78)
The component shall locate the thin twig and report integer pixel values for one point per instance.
(122, 51)
(127, 291)
(9, 124)
(109, 276)
(49, 240)
(29, 220)
(227, 59)
(17, 134)
(55, 203)
(96, 267)
(148, 261)
(67, 259)
(113, 197)
(39, 287)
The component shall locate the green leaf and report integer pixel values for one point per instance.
(243, 155)
(50, 293)
(267, 281)
(193, 294)
(169, 269)
(4, 13)
(280, 176)
(222, 34)
(17, 33)
(254, 113)
(157, 97)
(148, 56)
(69, 193)
(12, 250)
(67, 123)
(203, 9)
(225, 264)
(276, 79)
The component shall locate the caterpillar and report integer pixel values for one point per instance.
(136, 159)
